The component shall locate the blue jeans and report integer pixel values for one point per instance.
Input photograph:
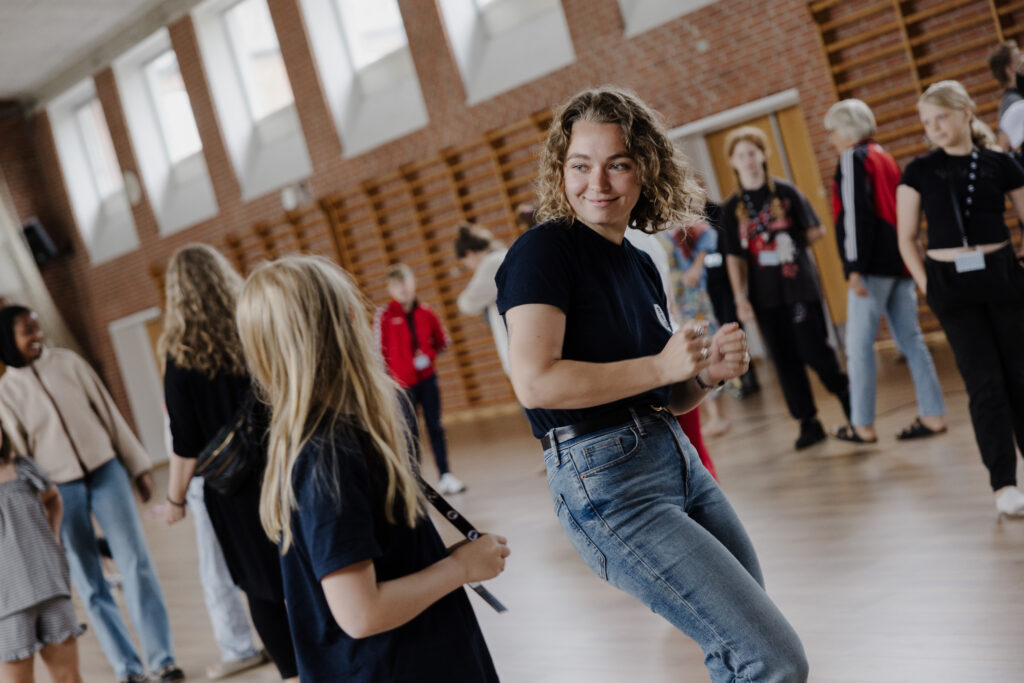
(224, 604)
(107, 493)
(896, 299)
(645, 515)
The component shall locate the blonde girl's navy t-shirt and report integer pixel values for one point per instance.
(338, 525)
(612, 297)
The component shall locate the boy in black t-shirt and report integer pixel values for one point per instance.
(768, 226)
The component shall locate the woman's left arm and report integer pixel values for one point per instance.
(54, 507)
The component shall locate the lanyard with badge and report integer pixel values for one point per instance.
(974, 259)
(420, 360)
(766, 257)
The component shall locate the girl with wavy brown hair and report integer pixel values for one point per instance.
(595, 363)
(205, 383)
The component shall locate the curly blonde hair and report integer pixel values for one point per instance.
(671, 193)
(199, 315)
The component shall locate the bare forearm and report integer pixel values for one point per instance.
(181, 471)
(570, 385)
(398, 601)
(814, 234)
(54, 507)
(685, 397)
(737, 276)
(911, 253)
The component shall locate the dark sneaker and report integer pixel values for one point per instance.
(811, 432)
(169, 673)
(135, 678)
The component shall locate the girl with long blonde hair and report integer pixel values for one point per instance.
(205, 385)
(970, 274)
(359, 555)
(596, 364)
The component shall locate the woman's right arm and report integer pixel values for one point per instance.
(542, 379)
(362, 607)
(737, 268)
(908, 222)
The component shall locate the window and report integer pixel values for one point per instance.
(251, 94)
(92, 175)
(643, 15)
(99, 148)
(372, 29)
(172, 107)
(502, 44)
(163, 131)
(258, 58)
(366, 70)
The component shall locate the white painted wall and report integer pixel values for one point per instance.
(141, 379)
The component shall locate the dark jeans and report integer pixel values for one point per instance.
(982, 314)
(795, 335)
(428, 397)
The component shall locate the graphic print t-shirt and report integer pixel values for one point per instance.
(773, 241)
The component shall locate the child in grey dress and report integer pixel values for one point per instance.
(36, 614)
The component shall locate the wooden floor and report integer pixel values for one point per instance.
(890, 561)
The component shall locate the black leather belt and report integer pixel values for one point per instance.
(612, 418)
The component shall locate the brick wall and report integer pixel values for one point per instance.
(755, 49)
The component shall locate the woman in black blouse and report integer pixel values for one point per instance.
(205, 382)
(970, 274)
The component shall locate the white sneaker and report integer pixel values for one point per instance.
(449, 484)
(1011, 502)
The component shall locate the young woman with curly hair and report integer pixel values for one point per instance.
(594, 361)
(768, 225)
(205, 383)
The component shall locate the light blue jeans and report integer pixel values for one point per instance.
(228, 615)
(645, 515)
(896, 299)
(107, 493)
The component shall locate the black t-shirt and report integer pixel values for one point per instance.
(774, 243)
(331, 532)
(996, 174)
(611, 294)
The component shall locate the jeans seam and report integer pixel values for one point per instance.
(641, 560)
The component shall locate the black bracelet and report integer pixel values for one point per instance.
(175, 503)
(707, 387)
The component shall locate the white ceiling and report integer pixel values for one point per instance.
(42, 39)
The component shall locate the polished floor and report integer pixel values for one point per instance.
(889, 560)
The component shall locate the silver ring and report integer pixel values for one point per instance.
(746, 357)
(699, 330)
(704, 353)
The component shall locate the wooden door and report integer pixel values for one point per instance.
(792, 158)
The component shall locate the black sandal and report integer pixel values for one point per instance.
(848, 433)
(918, 430)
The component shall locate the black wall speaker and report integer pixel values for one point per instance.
(39, 242)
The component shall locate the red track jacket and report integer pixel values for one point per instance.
(394, 337)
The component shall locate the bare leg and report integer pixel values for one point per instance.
(717, 423)
(62, 661)
(17, 672)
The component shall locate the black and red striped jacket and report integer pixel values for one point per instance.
(864, 207)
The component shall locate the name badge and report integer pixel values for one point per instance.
(769, 258)
(421, 361)
(971, 261)
(713, 260)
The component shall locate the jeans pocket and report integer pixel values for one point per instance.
(585, 547)
(607, 451)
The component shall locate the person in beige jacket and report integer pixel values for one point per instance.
(56, 411)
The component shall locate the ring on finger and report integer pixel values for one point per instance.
(704, 353)
(746, 356)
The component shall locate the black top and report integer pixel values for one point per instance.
(774, 243)
(612, 297)
(996, 174)
(332, 530)
(197, 407)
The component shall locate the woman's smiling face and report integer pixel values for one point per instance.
(601, 182)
